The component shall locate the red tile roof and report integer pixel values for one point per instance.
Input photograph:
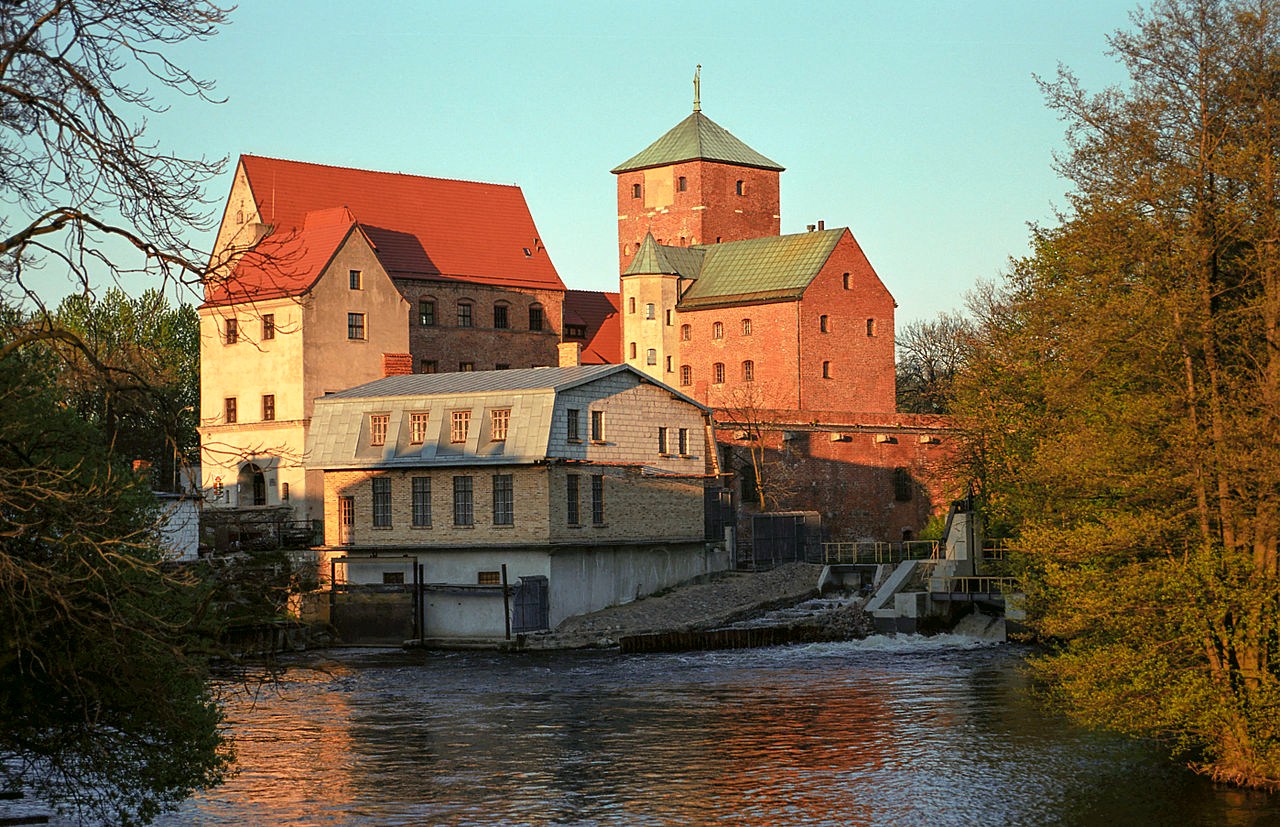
(421, 227)
(600, 313)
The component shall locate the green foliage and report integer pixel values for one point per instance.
(1122, 395)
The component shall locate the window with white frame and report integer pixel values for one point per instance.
(459, 425)
(717, 331)
(498, 421)
(597, 426)
(378, 428)
(418, 427)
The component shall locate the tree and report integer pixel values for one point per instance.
(102, 649)
(930, 353)
(768, 474)
(1122, 396)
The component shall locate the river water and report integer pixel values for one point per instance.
(892, 731)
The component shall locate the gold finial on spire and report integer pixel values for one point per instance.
(697, 89)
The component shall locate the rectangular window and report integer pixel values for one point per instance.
(488, 578)
(575, 331)
(498, 421)
(502, 366)
(460, 423)
(268, 407)
(597, 426)
(597, 499)
(649, 311)
(500, 316)
(268, 326)
(355, 326)
(669, 364)
(651, 356)
(429, 366)
(232, 331)
(229, 409)
(662, 440)
(418, 427)
(503, 500)
(463, 514)
(535, 318)
(668, 318)
(422, 502)
(464, 314)
(381, 502)
(354, 276)
(427, 313)
(573, 513)
(378, 428)
(466, 367)
(684, 442)
(572, 425)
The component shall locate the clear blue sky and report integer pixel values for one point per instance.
(916, 124)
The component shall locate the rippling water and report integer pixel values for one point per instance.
(894, 731)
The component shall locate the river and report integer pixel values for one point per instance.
(886, 731)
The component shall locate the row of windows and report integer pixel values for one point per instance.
(664, 442)
(231, 415)
(459, 426)
(465, 315)
(231, 329)
(433, 366)
(748, 373)
(573, 425)
(464, 513)
(682, 185)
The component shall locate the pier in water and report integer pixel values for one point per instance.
(886, 731)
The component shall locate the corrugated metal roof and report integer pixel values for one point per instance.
(761, 269)
(695, 138)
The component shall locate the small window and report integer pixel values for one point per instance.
(683, 436)
(649, 310)
(464, 314)
(418, 427)
(669, 363)
(822, 324)
(631, 304)
(489, 578)
(740, 188)
(597, 426)
(503, 500)
(717, 373)
(428, 366)
(284, 492)
(573, 515)
(502, 366)
(846, 281)
(355, 326)
(826, 370)
(268, 407)
(685, 332)
(355, 280)
(746, 327)
(381, 502)
(668, 318)
(903, 487)
(466, 367)
(268, 326)
(231, 332)
(393, 578)
(662, 439)
(597, 499)
(421, 502)
(535, 317)
(229, 410)
(635, 190)
(463, 504)
(632, 350)
(500, 317)
(682, 184)
(748, 371)
(575, 331)
(717, 331)
(427, 313)
(686, 376)
(459, 425)
(651, 356)
(498, 422)
(378, 429)
(871, 327)
(572, 425)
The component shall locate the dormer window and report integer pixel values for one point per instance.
(378, 428)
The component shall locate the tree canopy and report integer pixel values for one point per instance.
(1122, 395)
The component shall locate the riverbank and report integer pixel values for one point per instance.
(725, 599)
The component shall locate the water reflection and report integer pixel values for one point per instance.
(906, 731)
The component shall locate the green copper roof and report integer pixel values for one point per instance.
(760, 269)
(655, 259)
(696, 138)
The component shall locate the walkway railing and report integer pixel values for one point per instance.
(981, 585)
(871, 552)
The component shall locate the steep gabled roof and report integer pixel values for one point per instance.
(599, 313)
(654, 259)
(760, 269)
(421, 227)
(696, 138)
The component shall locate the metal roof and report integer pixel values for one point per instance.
(653, 259)
(696, 138)
(760, 269)
(481, 381)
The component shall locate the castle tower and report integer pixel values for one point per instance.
(697, 184)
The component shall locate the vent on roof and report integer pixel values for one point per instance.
(527, 252)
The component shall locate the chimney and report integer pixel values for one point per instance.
(570, 354)
(822, 225)
(397, 364)
(810, 227)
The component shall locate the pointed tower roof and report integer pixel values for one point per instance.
(696, 138)
(654, 259)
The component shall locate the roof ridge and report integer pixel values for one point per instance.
(244, 155)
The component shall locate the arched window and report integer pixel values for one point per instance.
(635, 190)
(253, 485)
(717, 331)
(650, 312)
(685, 331)
(826, 370)
(427, 312)
(717, 373)
(631, 304)
(748, 371)
(746, 327)
(846, 281)
(740, 188)
(633, 350)
(871, 327)
(651, 356)
(686, 376)
(535, 317)
(501, 316)
(822, 324)
(682, 183)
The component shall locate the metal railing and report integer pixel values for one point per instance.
(879, 552)
(981, 585)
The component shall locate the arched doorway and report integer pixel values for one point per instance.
(253, 485)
